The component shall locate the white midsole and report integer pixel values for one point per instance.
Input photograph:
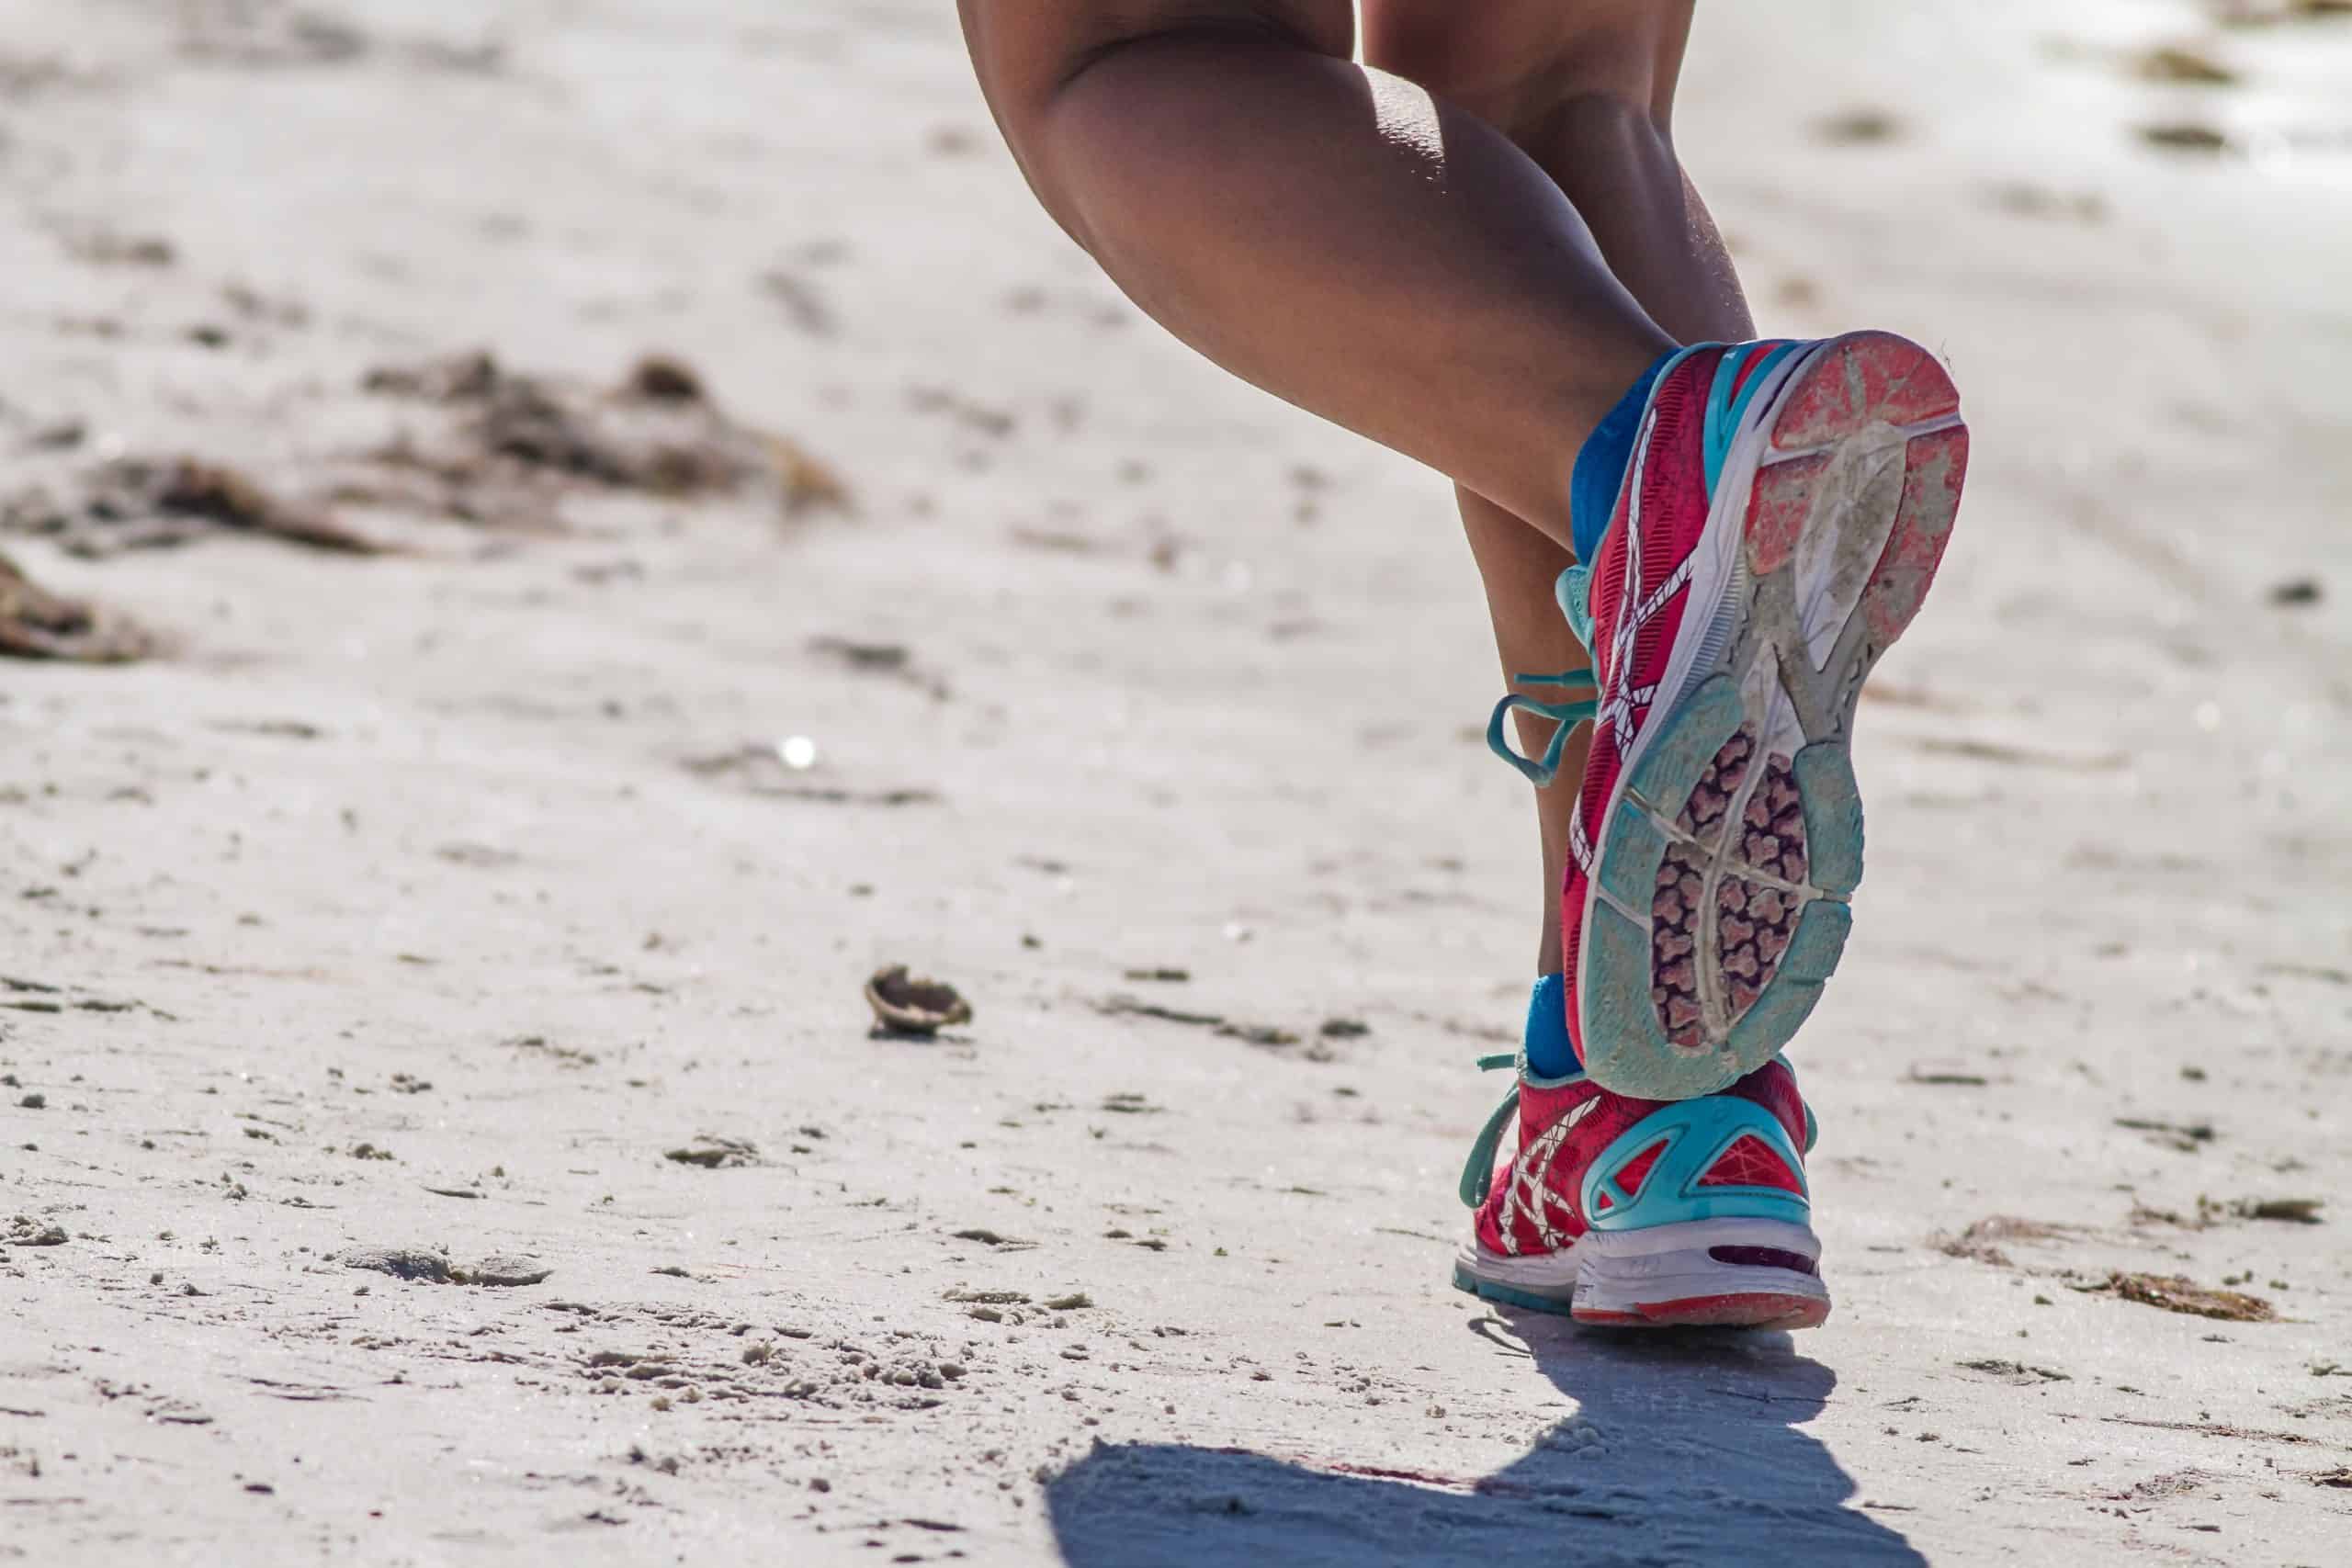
(1543, 1274)
(1600, 1292)
(1697, 1235)
(1618, 1270)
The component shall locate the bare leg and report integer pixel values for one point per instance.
(1519, 566)
(1328, 231)
(1587, 89)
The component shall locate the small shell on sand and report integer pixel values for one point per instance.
(904, 1005)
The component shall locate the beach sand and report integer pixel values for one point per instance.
(438, 1116)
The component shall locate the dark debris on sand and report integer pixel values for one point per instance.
(2184, 136)
(474, 442)
(37, 624)
(481, 443)
(425, 1265)
(148, 503)
(2173, 1292)
(713, 1153)
(1986, 1240)
(2018, 1372)
(2212, 1212)
(399, 1262)
(2272, 13)
(1272, 1036)
(758, 770)
(23, 1230)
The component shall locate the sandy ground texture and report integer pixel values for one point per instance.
(440, 1119)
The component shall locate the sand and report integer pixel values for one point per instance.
(440, 1114)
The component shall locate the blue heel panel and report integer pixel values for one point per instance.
(1599, 471)
(1551, 1055)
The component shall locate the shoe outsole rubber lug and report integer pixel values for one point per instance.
(1694, 732)
(1624, 1043)
(1823, 489)
(1832, 801)
(1629, 872)
(1789, 1000)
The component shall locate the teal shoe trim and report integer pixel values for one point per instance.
(1489, 1290)
(1689, 1136)
(1573, 592)
(1725, 411)
(1715, 441)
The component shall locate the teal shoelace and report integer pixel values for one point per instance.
(1570, 590)
(1477, 1175)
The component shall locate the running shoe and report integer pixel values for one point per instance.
(1639, 1213)
(1780, 517)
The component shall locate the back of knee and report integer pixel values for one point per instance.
(1066, 68)
(1033, 56)
(1526, 64)
(1029, 52)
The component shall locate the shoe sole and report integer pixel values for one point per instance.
(1733, 840)
(1663, 1277)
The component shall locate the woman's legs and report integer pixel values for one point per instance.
(1586, 88)
(1325, 231)
(1471, 280)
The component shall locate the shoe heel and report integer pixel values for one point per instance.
(1826, 496)
(1719, 1158)
(1699, 1215)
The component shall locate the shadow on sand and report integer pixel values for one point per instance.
(1698, 1460)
